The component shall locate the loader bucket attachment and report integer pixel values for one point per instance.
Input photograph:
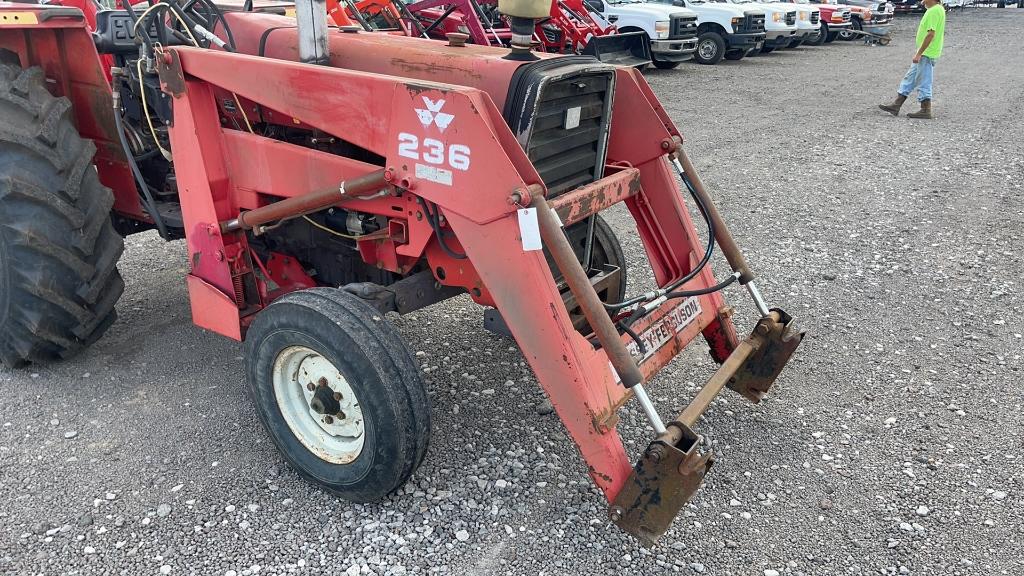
(672, 468)
(666, 477)
(627, 49)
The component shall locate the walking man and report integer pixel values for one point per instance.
(929, 46)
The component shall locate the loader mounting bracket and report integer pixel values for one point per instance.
(780, 337)
(663, 480)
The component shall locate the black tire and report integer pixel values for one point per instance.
(736, 54)
(847, 35)
(795, 43)
(665, 64)
(819, 38)
(831, 37)
(606, 250)
(58, 249)
(767, 49)
(710, 48)
(369, 354)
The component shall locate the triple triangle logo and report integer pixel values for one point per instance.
(433, 114)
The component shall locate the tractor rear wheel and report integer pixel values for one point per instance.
(58, 249)
(338, 392)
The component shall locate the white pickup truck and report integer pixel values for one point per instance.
(672, 30)
(724, 30)
(779, 24)
(808, 20)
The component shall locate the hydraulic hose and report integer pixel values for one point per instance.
(140, 181)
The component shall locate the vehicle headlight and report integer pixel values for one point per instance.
(736, 22)
(776, 17)
(804, 16)
(661, 29)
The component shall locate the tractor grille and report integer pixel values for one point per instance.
(790, 18)
(683, 27)
(815, 17)
(564, 156)
(752, 24)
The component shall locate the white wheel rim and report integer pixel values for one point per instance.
(318, 404)
(707, 49)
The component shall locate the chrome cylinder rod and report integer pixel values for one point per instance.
(649, 411)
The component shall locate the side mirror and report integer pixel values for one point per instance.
(595, 5)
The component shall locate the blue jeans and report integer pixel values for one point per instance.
(919, 76)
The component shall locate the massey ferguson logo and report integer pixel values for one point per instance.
(433, 114)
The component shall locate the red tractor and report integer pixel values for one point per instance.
(568, 28)
(322, 177)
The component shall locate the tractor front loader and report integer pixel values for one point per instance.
(323, 177)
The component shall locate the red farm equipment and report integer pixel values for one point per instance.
(569, 28)
(322, 178)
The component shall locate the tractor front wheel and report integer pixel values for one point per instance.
(338, 392)
(58, 249)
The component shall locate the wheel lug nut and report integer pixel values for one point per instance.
(337, 395)
(322, 381)
(310, 387)
(328, 420)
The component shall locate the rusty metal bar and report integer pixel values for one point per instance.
(575, 206)
(768, 329)
(589, 303)
(307, 203)
(715, 384)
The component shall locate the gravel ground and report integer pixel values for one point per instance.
(891, 445)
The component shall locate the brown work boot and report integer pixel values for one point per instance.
(925, 111)
(894, 108)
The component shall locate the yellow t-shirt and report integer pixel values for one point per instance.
(934, 19)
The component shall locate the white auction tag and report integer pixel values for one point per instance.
(529, 230)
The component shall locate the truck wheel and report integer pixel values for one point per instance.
(848, 34)
(831, 37)
(795, 43)
(665, 64)
(58, 249)
(818, 38)
(710, 48)
(767, 49)
(736, 54)
(338, 392)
